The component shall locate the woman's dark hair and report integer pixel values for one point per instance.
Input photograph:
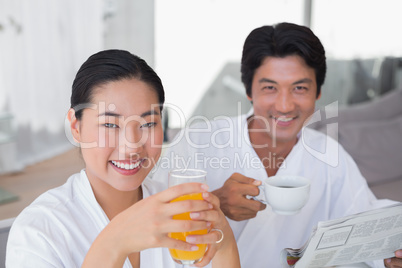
(108, 66)
(281, 40)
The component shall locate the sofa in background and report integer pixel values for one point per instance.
(371, 132)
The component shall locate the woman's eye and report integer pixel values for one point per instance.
(110, 125)
(148, 125)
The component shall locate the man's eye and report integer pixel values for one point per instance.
(300, 88)
(110, 125)
(269, 88)
(148, 125)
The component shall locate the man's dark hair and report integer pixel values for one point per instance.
(281, 40)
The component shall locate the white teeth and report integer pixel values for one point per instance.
(126, 166)
(284, 119)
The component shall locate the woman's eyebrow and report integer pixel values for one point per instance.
(144, 114)
(109, 114)
(150, 112)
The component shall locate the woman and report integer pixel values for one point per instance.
(110, 214)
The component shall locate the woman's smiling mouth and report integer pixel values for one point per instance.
(126, 167)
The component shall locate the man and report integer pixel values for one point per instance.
(283, 69)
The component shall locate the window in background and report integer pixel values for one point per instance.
(363, 45)
(197, 42)
(194, 40)
(42, 45)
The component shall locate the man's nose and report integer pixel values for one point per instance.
(284, 102)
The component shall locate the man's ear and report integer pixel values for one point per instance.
(319, 96)
(74, 125)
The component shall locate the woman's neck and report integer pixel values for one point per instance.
(112, 200)
(120, 201)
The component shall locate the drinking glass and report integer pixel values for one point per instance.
(179, 176)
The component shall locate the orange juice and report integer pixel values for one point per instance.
(183, 254)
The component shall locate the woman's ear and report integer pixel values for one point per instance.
(250, 98)
(74, 125)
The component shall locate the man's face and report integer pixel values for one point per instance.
(283, 94)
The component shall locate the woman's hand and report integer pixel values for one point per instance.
(147, 223)
(224, 253)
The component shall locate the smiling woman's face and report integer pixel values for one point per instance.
(121, 134)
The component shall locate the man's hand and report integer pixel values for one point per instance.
(233, 197)
(395, 262)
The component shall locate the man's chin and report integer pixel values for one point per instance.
(284, 138)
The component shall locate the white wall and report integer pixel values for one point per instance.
(129, 25)
(359, 28)
(195, 39)
(42, 45)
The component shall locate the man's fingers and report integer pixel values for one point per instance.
(250, 190)
(241, 185)
(254, 205)
(247, 211)
(243, 179)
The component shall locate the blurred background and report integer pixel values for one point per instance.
(195, 46)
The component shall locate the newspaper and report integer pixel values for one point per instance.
(367, 236)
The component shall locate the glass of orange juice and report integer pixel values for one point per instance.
(178, 176)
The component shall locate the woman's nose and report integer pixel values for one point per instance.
(131, 142)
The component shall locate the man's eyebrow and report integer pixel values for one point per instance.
(266, 80)
(301, 81)
(304, 80)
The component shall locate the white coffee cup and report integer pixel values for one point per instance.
(286, 194)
